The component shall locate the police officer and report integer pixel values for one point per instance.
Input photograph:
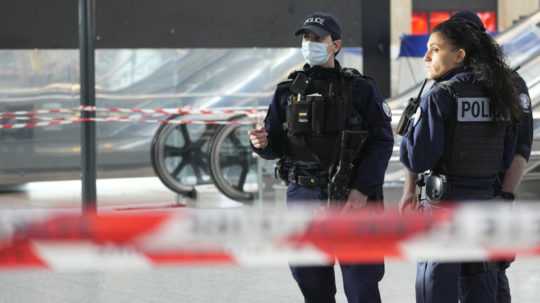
(508, 180)
(308, 113)
(460, 139)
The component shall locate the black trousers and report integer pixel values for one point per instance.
(317, 283)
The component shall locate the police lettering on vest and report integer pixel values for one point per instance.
(475, 137)
(474, 110)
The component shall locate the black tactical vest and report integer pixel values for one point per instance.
(474, 144)
(316, 118)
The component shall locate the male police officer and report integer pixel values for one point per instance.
(509, 180)
(308, 114)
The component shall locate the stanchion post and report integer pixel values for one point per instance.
(88, 96)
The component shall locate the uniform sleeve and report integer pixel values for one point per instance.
(378, 147)
(525, 126)
(525, 135)
(423, 145)
(510, 140)
(273, 123)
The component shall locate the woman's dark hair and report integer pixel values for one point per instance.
(486, 60)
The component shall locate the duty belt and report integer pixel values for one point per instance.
(309, 181)
(437, 187)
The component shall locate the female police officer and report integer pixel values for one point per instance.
(462, 135)
(508, 180)
(317, 104)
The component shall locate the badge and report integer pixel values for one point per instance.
(525, 102)
(386, 109)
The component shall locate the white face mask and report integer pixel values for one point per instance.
(315, 53)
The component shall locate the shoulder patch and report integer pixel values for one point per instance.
(525, 103)
(474, 110)
(387, 110)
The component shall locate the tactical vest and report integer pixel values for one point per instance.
(474, 144)
(316, 118)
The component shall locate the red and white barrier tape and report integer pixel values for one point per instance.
(182, 111)
(254, 237)
(46, 118)
(66, 121)
(38, 112)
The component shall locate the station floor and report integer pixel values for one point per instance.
(195, 284)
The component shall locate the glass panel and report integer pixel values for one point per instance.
(38, 80)
(149, 79)
(128, 83)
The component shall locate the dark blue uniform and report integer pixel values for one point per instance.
(424, 144)
(424, 148)
(525, 127)
(317, 283)
(523, 148)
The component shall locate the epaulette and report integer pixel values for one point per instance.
(293, 74)
(353, 73)
(349, 72)
(448, 86)
(287, 82)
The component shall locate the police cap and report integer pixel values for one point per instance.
(321, 24)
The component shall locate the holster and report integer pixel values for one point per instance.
(434, 186)
(281, 170)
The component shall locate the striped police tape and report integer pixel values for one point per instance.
(182, 111)
(67, 121)
(249, 237)
(177, 116)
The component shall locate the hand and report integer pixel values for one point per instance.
(355, 201)
(258, 137)
(408, 202)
